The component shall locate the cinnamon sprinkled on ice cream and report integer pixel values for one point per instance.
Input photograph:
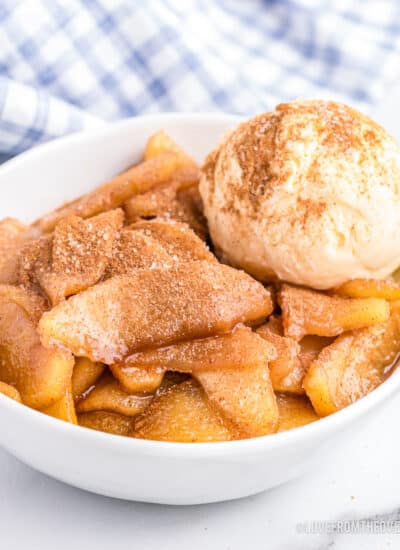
(309, 194)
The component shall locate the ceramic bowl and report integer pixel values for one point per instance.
(135, 469)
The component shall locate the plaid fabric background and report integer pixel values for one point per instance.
(68, 65)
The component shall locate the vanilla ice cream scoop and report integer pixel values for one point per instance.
(308, 194)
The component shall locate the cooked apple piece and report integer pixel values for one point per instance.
(177, 239)
(293, 358)
(150, 308)
(395, 276)
(236, 349)
(75, 258)
(189, 209)
(134, 250)
(64, 408)
(355, 364)
(310, 347)
(172, 379)
(286, 370)
(311, 312)
(138, 379)
(107, 422)
(40, 374)
(34, 259)
(114, 193)
(294, 411)
(10, 391)
(183, 414)
(107, 395)
(387, 289)
(13, 236)
(167, 202)
(243, 397)
(160, 142)
(143, 371)
(152, 204)
(32, 303)
(151, 245)
(84, 376)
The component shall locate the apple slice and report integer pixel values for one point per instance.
(107, 395)
(182, 413)
(168, 203)
(294, 411)
(236, 349)
(41, 374)
(152, 245)
(74, 258)
(243, 397)
(189, 209)
(143, 371)
(177, 239)
(152, 204)
(310, 312)
(64, 408)
(10, 391)
(13, 236)
(107, 422)
(370, 288)
(133, 250)
(140, 378)
(152, 308)
(84, 376)
(160, 142)
(293, 358)
(355, 364)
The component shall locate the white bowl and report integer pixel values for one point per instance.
(134, 469)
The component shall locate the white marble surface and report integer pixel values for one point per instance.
(361, 481)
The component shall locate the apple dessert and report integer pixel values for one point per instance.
(186, 304)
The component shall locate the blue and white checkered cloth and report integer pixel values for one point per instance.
(68, 65)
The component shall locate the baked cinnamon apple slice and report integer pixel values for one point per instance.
(307, 311)
(41, 374)
(183, 414)
(150, 308)
(353, 365)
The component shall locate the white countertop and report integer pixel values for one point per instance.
(360, 482)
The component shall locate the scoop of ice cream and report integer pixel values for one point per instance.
(309, 194)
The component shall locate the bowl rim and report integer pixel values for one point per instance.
(324, 426)
(114, 128)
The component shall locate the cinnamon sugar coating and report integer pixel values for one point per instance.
(82, 252)
(154, 308)
(169, 202)
(155, 244)
(177, 239)
(73, 258)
